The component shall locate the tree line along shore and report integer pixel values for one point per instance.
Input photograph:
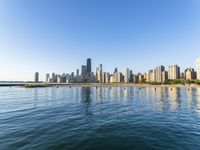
(167, 83)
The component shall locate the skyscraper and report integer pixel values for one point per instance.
(115, 71)
(54, 78)
(174, 72)
(99, 73)
(47, 77)
(127, 76)
(77, 72)
(158, 74)
(152, 75)
(37, 77)
(89, 66)
(190, 74)
(83, 71)
(198, 68)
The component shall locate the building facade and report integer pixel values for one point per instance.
(99, 73)
(174, 72)
(127, 76)
(190, 74)
(37, 77)
(198, 68)
(158, 73)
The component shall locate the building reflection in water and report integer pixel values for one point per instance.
(166, 98)
(161, 98)
(198, 101)
(86, 101)
(193, 97)
(174, 98)
(99, 94)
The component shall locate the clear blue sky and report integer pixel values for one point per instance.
(58, 35)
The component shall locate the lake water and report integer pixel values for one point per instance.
(87, 118)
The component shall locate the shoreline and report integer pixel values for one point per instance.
(37, 85)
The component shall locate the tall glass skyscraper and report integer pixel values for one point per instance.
(89, 66)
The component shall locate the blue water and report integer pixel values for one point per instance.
(99, 119)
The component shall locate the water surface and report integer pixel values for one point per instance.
(87, 118)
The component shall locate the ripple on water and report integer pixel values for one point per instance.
(102, 118)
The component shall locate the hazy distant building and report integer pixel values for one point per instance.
(182, 75)
(103, 77)
(107, 77)
(119, 77)
(127, 76)
(37, 77)
(77, 72)
(198, 68)
(115, 71)
(63, 78)
(146, 77)
(83, 71)
(131, 76)
(174, 72)
(158, 73)
(48, 79)
(59, 80)
(54, 78)
(140, 77)
(135, 78)
(190, 74)
(115, 77)
(112, 79)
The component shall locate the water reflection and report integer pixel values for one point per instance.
(35, 101)
(161, 99)
(86, 101)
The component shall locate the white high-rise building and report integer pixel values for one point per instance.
(99, 73)
(198, 68)
(127, 76)
(174, 72)
(158, 74)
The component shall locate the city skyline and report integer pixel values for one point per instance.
(51, 36)
(83, 70)
(158, 74)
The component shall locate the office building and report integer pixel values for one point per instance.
(115, 71)
(112, 80)
(151, 75)
(135, 78)
(77, 72)
(119, 77)
(174, 72)
(99, 73)
(83, 71)
(59, 80)
(158, 73)
(198, 68)
(140, 77)
(146, 77)
(190, 74)
(107, 77)
(37, 77)
(89, 65)
(48, 79)
(164, 76)
(127, 76)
